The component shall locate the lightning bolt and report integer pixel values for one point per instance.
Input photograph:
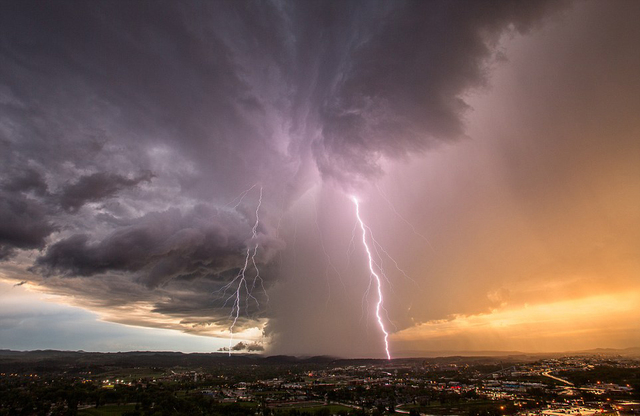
(374, 275)
(240, 282)
(238, 200)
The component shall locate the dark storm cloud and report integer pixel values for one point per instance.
(212, 98)
(96, 187)
(86, 84)
(370, 79)
(157, 247)
(23, 224)
(398, 82)
(26, 180)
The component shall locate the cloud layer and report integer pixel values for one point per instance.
(130, 133)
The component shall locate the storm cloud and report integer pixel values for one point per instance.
(24, 224)
(141, 141)
(166, 245)
(96, 187)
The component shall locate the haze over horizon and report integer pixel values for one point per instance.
(149, 151)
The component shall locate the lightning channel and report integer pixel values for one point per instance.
(238, 199)
(240, 282)
(376, 277)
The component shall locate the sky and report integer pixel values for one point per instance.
(181, 176)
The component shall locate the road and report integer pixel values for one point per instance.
(548, 374)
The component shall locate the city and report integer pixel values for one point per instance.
(128, 384)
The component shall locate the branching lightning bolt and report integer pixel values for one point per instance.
(239, 198)
(376, 277)
(249, 277)
(378, 247)
(240, 282)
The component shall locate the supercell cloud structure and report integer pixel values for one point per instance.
(129, 130)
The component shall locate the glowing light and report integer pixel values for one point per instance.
(569, 324)
(238, 200)
(379, 303)
(240, 281)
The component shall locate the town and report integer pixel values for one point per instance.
(128, 384)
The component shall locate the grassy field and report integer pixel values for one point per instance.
(109, 410)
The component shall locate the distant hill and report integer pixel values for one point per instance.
(79, 361)
(625, 352)
(433, 354)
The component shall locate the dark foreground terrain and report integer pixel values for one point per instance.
(167, 383)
